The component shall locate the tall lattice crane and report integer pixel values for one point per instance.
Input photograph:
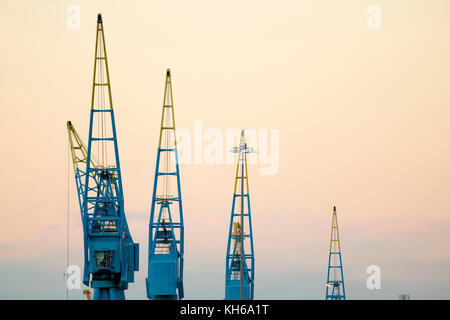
(240, 259)
(110, 255)
(335, 289)
(166, 227)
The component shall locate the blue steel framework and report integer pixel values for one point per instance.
(335, 289)
(240, 266)
(110, 255)
(166, 227)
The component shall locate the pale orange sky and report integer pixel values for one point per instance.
(363, 118)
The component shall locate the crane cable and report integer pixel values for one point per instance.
(104, 96)
(68, 216)
(166, 162)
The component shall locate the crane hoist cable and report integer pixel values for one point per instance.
(68, 221)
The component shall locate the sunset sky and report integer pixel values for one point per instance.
(363, 118)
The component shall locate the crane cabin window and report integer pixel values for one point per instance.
(103, 258)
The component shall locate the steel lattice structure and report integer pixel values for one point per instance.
(240, 265)
(166, 227)
(335, 289)
(110, 255)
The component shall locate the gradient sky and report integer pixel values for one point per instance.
(364, 124)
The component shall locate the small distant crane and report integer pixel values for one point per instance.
(240, 265)
(335, 289)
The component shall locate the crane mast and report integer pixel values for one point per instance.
(335, 289)
(110, 255)
(166, 227)
(240, 265)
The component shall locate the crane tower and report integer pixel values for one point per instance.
(166, 227)
(335, 289)
(110, 255)
(240, 258)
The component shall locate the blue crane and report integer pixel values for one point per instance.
(166, 227)
(335, 289)
(240, 261)
(110, 255)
